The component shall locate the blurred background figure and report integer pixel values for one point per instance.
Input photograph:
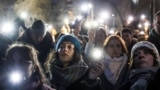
(39, 38)
(96, 40)
(127, 36)
(154, 36)
(76, 28)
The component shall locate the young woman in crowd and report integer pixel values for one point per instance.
(115, 63)
(23, 71)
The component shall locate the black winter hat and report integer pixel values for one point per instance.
(38, 27)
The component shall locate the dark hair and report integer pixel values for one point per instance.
(38, 27)
(102, 30)
(30, 53)
(126, 30)
(53, 56)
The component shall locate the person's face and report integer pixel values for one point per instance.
(100, 37)
(37, 38)
(142, 59)
(157, 24)
(18, 62)
(66, 52)
(127, 37)
(114, 48)
(77, 29)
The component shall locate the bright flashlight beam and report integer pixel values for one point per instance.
(143, 16)
(79, 17)
(111, 32)
(104, 15)
(146, 24)
(50, 27)
(15, 77)
(88, 24)
(24, 15)
(84, 8)
(141, 33)
(139, 25)
(97, 54)
(130, 18)
(7, 27)
(90, 6)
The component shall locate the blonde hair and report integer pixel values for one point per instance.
(28, 52)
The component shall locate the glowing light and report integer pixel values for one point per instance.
(97, 53)
(130, 18)
(86, 7)
(50, 27)
(7, 27)
(111, 32)
(24, 15)
(88, 24)
(16, 77)
(104, 15)
(141, 33)
(79, 17)
(113, 15)
(95, 23)
(66, 21)
(143, 16)
(135, 1)
(101, 21)
(139, 25)
(146, 24)
(90, 6)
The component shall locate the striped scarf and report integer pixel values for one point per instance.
(63, 77)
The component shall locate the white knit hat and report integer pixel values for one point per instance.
(147, 45)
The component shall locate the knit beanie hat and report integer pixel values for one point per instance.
(69, 38)
(38, 27)
(148, 45)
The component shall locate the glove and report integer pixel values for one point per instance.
(140, 84)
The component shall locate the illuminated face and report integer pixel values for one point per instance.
(127, 37)
(17, 61)
(157, 24)
(66, 52)
(114, 48)
(143, 58)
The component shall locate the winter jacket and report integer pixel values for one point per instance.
(43, 47)
(142, 79)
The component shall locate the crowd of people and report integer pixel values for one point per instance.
(34, 61)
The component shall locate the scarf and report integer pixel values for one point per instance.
(145, 73)
(113, 67)
(63, 77)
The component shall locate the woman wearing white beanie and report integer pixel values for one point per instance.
(144, 64)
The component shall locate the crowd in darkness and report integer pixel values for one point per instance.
(97, 61)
